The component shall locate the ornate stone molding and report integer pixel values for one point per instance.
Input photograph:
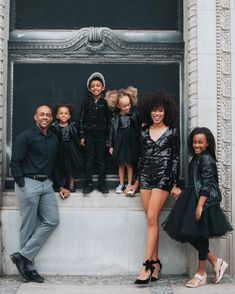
(93, 40)
(2, 59)
(2, 11)
(224, 123)
(192, 65)
(192, 79)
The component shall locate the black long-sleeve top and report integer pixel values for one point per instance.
(115, 123)
(35, 153)
(94, 116)
(205, 178)
(70, 132)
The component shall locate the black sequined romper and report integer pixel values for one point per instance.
(159, 161)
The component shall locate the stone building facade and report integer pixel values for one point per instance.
(207, 99)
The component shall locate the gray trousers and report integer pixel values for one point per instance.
(39, 215)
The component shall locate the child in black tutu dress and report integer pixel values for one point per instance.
(197, 215)
(124, 140)
(70, 157)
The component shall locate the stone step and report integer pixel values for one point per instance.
(92, 200)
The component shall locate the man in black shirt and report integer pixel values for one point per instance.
(33, 161)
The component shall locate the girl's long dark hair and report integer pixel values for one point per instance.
(209, 138)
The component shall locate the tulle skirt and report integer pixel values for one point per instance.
(71, 161)
(182, 225)
(126, 149)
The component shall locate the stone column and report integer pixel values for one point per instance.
(219, 100)
(2, 7)
(3, 87)
(191, 61)
(232, 112)
(224, 113)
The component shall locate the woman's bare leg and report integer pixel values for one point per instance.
(145, 197)
(156, 202)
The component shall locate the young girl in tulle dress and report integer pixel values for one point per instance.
(123, 139)
(197, 216)
(70, 157)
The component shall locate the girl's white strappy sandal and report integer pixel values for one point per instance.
(131, 192)
(219, 268)
(200, 281)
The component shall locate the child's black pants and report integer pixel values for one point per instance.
(201, 244)
(96, 152)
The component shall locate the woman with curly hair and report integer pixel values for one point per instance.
(158, 171)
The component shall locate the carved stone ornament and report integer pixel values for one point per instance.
(94, 40)
(224, 123)
(2, 11)
(192, 65)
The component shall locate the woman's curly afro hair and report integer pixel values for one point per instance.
(161, 99)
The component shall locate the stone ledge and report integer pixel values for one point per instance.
(94, 200)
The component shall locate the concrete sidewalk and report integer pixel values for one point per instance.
(110, 285)
(105, 289)
(207, 289)
(76, 289)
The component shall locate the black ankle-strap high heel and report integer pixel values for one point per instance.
(154, 279)
(148, 264)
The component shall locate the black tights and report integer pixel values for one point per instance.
(201, 244)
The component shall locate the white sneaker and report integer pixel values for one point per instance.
(120, 188)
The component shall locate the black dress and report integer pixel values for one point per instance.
(181, 223)
(159, 160)
(71, 160)
(126, 147)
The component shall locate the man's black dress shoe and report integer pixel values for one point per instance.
(34, 276)
(20, 261)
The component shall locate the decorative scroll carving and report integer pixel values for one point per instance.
(192, 65)
(95, 36)
(94, 40)
(224, 124)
